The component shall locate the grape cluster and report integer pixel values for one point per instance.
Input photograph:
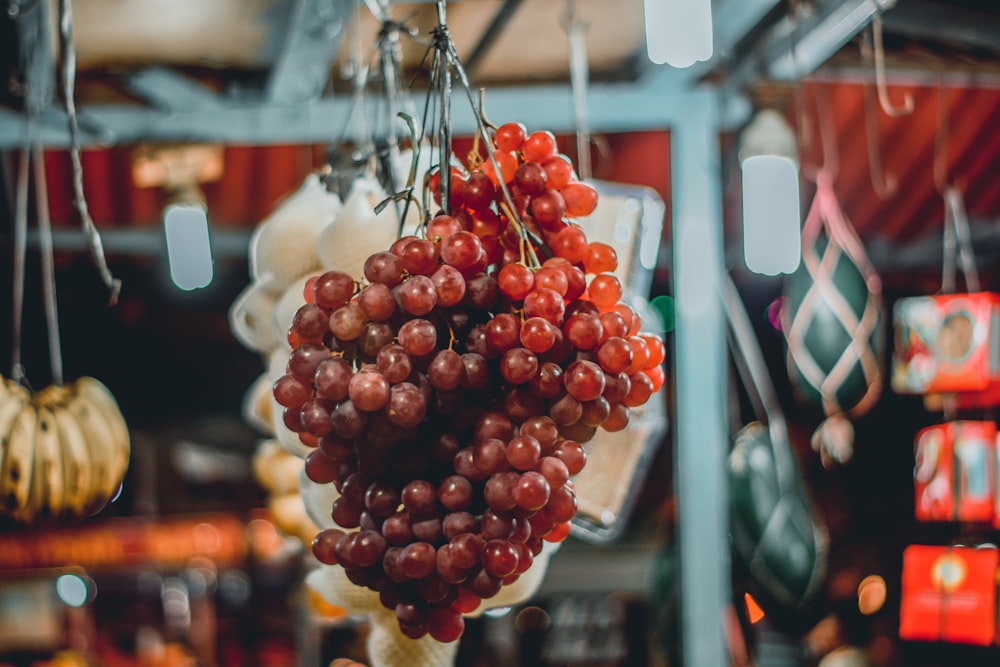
(448, 394)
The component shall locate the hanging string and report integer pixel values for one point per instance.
(579, 76)
(804, 134)
(69, 87)
(941, 138)
(20, 252)
(359, 81)
(830, 164)
(48, 267)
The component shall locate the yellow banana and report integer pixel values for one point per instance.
(16, 473)
(13, 399)
(101, 399)
(48, 489)
(101, 447)
(77, 473)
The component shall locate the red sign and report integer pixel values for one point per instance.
(123, 542)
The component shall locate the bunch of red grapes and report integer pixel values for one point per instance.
(448, 394)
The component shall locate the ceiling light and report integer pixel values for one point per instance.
(678, 32)
(771, 213)
(179, 170)
(189, 249)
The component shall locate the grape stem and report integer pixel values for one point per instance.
(463, 78)
(525, 247)
(482, 114)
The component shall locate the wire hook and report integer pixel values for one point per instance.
(880, 85)
(884, 184)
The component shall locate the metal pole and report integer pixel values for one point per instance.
(702, 439)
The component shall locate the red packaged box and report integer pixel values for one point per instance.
(947, 343)
(949, 594)
(955, 472)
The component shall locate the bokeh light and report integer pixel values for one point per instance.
(664, 305)
(754, 612)
(72, 590)
(871, 594)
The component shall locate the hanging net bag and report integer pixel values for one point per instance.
(832, 322)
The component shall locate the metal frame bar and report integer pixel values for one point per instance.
(302, 68)
(701, 434)
(168, 90)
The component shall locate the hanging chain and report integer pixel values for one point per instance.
(69, 87)
(443, 41)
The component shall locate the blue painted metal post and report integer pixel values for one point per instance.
(702, 438)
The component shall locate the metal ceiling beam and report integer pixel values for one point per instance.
(490, 35)
(793, 48)
(925, 19)
(170, 91)
(611, 108)
(311, 41)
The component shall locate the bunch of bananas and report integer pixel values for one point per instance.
(64, 450)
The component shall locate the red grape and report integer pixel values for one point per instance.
(600, 258)
(530, 177)
(570, 243)
(615, 355)
(347, 322)
(290, 392)
(581, 199)
(539, 146)
(333, 289)
(499, 558)
(640, 354)
(417, 295)
(510, 136)
(548, 209)
(418, 337)
(384, 267)
(518, 365)
(584, 380)
(537, 334)
(553, 278)
(559, 171)
(479, 191)
(516, 281)
(418, 559)
(523, 452)
(407, 406)
(605, 290)
(304, 360)
(545, 303)
(419, 497)
(420, 257)
(573, 455)
(461, 249)
(507, 162)
(310, 321)
(503, 332)
(455, 493)
(640, 390)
